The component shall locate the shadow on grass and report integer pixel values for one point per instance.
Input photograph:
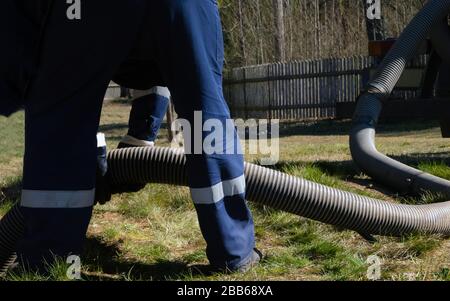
(123, 126)
(343, 127)
(320, 128)
(350, 172)
(122, 101)
(11, 192)
(105, 128)
(112, 127)
(346, 169)
(99, 254)
(415, 159)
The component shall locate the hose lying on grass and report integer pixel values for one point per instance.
(290, 194)
(383, 169)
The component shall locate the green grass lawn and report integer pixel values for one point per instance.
(154, 234)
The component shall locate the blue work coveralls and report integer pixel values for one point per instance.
(149, 105)
(75, 60)
(147, 114)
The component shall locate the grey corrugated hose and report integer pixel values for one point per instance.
(383, 169)
(291, 194)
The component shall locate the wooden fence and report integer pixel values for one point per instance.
(301, 90)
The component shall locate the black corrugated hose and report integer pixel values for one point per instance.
(11, 230)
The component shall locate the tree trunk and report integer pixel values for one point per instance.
(280, 43)
(242, 35)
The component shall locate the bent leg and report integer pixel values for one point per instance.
(147, 114)
(190, 53)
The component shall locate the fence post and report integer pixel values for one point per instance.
(244, 77)
(269, 90)
(170, 120)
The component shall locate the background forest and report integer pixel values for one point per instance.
(263, 31)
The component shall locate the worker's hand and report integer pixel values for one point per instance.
(102, 189)
(102, 185)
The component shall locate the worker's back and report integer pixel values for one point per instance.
(21, 22)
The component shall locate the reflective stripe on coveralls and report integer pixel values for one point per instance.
(61, 199)
(57, 199)
(218, 192)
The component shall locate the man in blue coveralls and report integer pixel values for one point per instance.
(76, 56)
